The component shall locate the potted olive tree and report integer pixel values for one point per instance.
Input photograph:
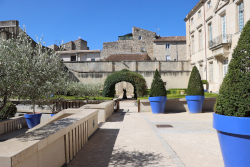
(195, 92)
(157, 94)
(232, 108)
(35, 70)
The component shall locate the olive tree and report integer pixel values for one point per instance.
(29, 70)
(85, 90)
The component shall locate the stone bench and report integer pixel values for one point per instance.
(177, 105)
(53, 143)
(106, 109)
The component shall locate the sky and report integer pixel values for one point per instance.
(96, 21)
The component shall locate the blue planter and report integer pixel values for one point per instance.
(158, 104)
(195, 103)
(52, 115)
(234, 136)
(33, 119)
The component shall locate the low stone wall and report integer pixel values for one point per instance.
(178, 105)
(54, 143)
(106, 109)
(11, 124)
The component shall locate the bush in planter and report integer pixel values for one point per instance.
(157, 86)
(157, 94)
(195, 92)
(232, 108)
(195, 86)
(8, 111)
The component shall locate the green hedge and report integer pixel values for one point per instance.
(135, 79)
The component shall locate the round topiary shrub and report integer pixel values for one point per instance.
(157, 86)
(135, 79)
(195, 86)
(8, 111)
(234, 94)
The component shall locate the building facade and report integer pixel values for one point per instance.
(9, 28)
(142, 41)
(213, 28)
(77, 51)
(170, 48)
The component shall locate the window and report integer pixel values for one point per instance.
(200, 40)
(225, 69)
(73, 58)
(92, 59)
(209, 5)
(241, 16)
(167, 46)
(168, 58)
(140, 38)
(192, 44)
(210, 34)
(192, 20)
(211, 73)
(199, 13)
(224, 28)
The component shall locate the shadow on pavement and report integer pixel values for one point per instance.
(97, 151)
(134, 158)
(118, 116)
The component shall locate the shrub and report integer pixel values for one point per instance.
(8, 111)
(234, 94)
(204, 82)
(157, 86)
(135, 79)
(195, 86)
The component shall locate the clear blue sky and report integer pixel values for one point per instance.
(96, 21)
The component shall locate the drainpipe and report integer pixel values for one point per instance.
(177, 58)
(205, 39)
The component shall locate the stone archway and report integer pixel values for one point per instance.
(135, 79)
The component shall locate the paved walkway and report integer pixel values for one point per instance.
(133, 139)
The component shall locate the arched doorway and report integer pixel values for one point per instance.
(121, 85)
(135, 79)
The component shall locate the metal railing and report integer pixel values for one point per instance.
(222, 39)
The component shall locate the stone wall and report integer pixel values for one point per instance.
(135, 45)
(174, 74)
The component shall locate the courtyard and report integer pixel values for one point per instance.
(130, 138)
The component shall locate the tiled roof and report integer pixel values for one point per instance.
(131, 56)
(173, 38)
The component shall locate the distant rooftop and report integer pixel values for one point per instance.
(170, 39)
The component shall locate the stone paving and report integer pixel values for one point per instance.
(130, 138)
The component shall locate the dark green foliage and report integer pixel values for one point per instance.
(135, 79)
(234, 94)
(157, 86)
(204, 82)
(8, 111)
(195, 86)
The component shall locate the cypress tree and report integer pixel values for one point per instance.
(234, 94)
(157, 86)
(195, 86)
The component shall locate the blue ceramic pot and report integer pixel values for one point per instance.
(33, 119)
(195, 103)
(158, 104)
(234, 137)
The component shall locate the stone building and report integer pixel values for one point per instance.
(213, 28)
(170, 48)
(77, 51)
(9, 28)
(142, 41)
(139, 41)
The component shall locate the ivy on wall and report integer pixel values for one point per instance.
(135, 79)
